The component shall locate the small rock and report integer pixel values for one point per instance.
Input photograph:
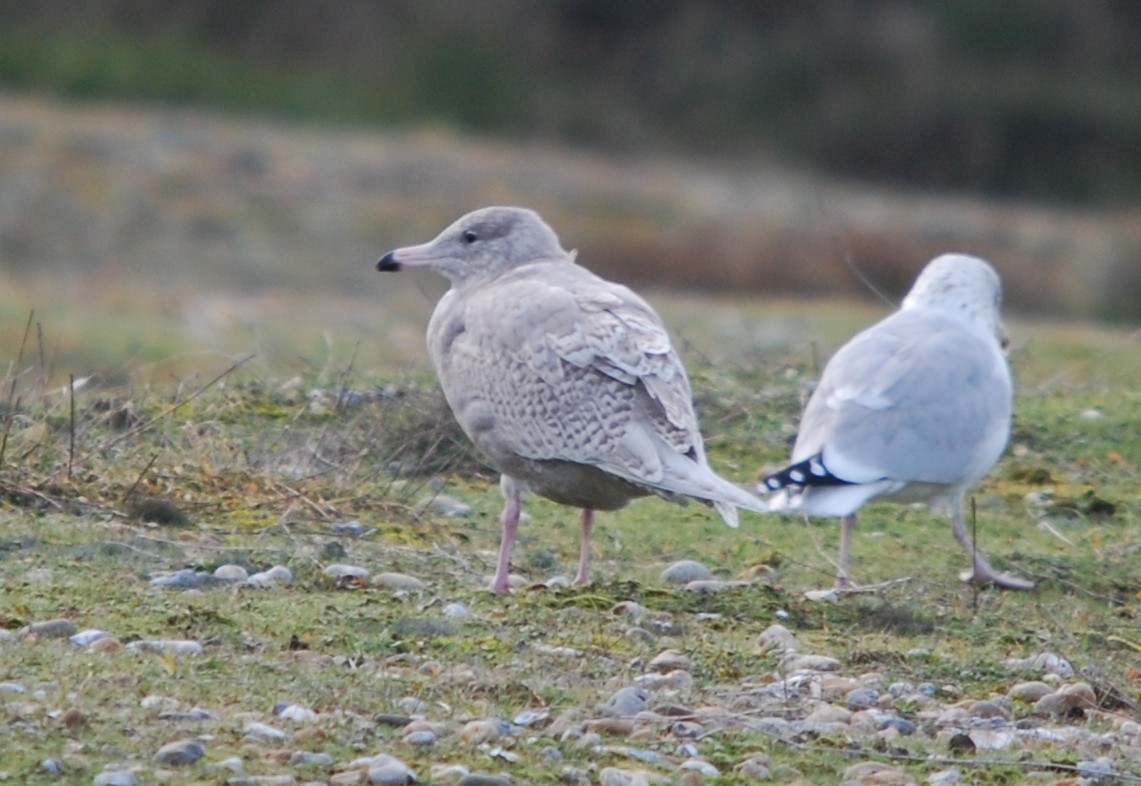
(626, 702)
(230, 572)
(457, 611)
(1097, 771)
(310, 759)
(711, 585)
(398, 581)
(629, 608)
(613, 776)
(861, 698)
(685, 571)
(1047, 662)
(51, 767)
(447, 774)
(444, 505)
(169, 646)
(948, 777)
(777, 638)
(51, 629)
(829, 713)
(12, 687)
(183, 579)
(86, 638)
(700, 765)
(395, 720)
(640, 635)
(233, 765)
(987, 709)
(351, 528)
(278, 574)
(479, 731)
(262, 780)
(668, 660)
(264, 732)
(340, 571)
(179, 753)
(105, 644)
(1029, 691)
(483, 779)
(529, 718)
(810, 663)
(295, 713)
(422, 738)
(120, 777)
(822, 596)
(877, 774)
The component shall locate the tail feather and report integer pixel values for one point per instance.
(801, 475)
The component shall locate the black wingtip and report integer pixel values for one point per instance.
(810, 472)
(387, 263)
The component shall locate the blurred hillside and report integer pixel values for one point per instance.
(1021, 98)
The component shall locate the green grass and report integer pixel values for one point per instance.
(261, 465)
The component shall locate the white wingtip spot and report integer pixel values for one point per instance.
(796, 475)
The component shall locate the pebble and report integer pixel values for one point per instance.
(264, 732)
(1029, 691)
(877, 774)
(1077, 696)
(829, 713)
(613, 776)
(116, 778)
(777, 638)
(630, 609)
(278, 574)
(295, 713)
(685, 571)
(339, 571)
(51, 629)
(626, 702)
(700, 765)
(230, 572)
(262, 780)
(668, 660)
(756, 767)
(12, 687)
(85, 638)
(311, 759)
(444, 505)
(187, 578)
(447, 774)
(1047, 662)
(809, 663)
(947, 777)
(351, 528)
(861, 698)
(179, 753)
(529, 718)
(480, 731)
(422, 738)
(483, 779)
(168, 646)
(457, 611)
(398, 581)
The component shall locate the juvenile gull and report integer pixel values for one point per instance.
(567, 383)
(915, 408)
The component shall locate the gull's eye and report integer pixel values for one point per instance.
(470, 236)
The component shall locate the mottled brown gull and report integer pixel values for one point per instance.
(566, 383)
(915, 408)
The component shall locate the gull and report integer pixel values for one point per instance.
(566, 383)
(915, 408)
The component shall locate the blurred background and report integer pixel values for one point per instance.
(206, 167)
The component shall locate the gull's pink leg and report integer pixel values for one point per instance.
(510, 523)
(983, 573)
(583, 575)
(847, 527)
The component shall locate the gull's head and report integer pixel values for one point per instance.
(481, 244)
(962, 287)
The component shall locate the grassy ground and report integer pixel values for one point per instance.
(262, 461)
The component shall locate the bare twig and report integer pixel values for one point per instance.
(138, 480)
(71, 424)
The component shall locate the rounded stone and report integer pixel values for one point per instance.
(685, 571)
(179, 753)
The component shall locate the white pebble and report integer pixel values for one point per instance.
(231, 573)
(295, 713)
(684, 571)
(170, 646)
(264, 732)
(398, 581)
